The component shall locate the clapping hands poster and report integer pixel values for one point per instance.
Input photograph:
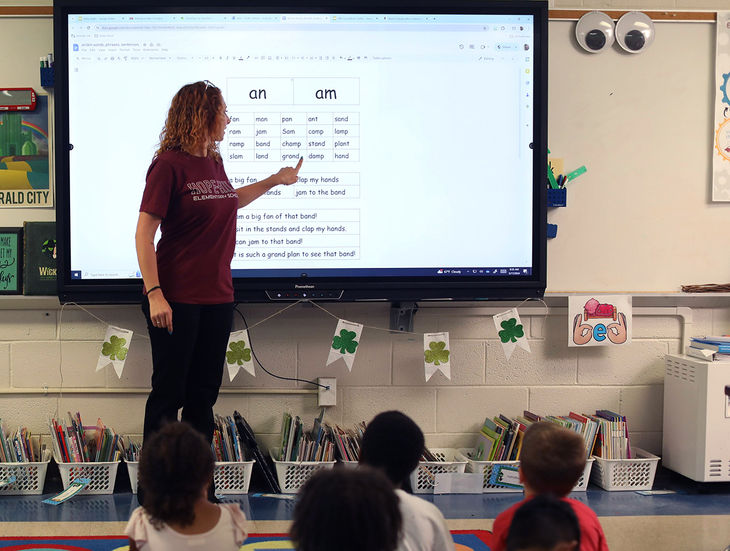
(599, 320)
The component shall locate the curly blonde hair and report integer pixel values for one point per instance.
(191, 118)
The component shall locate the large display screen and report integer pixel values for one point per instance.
(422, 128)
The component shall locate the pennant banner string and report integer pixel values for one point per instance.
(278, 312)
(275, 314)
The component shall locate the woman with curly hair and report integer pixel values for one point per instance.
(176, 467)
(188, 289)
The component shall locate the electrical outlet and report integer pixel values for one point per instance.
(327, 392)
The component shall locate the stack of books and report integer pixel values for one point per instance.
(18, 447)
(613, 435)
(76, 443)
(349, 441)
(131, 449)
(585, 425)
(605, 434)
(712, 348)
(500, 438)
(300, 445)
(227, 444)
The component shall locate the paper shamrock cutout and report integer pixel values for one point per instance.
(238, 353)
(511, 331)
(114, 348)
(437, 354)
(345, 342)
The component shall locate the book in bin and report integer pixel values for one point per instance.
(39, 262)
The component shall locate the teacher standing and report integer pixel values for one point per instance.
(188, 289)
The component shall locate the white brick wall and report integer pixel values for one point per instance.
(387, 373)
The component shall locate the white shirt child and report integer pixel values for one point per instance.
(228, 534)
(424, 527)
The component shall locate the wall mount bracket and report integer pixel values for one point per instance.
(401, 316)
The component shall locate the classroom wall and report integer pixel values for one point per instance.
(642, 207)
(39, 347)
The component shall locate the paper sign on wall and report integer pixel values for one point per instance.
(437, 354)
(238, 354)
(345, 342)
(511, 331)
(599, 320)
(114, 349)
(721, 110)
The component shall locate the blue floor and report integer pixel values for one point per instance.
(691, 498)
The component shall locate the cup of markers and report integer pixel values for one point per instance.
(46, 61)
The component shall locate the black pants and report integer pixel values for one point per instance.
(187, 365)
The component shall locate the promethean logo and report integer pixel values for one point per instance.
(304, 286)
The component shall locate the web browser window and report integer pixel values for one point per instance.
(415, 130)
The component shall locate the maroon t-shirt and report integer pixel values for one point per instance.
(198, 208)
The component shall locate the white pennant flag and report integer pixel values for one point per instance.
(345, 342)
(238, 354)
(437, 354)
(511, 331)
(114, 349)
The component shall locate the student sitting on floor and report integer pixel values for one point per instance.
(176, 468)
(393, 443)
(551, 462)
(353, 509)
(544, 523)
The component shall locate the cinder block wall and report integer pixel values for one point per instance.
(39, 349)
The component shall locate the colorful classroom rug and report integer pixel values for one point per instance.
(465, 540)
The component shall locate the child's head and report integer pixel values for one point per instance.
(175, 468)
(545, 523)
(343, 508)
(394, 443)
(552, 459)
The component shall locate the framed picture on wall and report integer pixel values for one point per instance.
(11, 261)
(24, 158)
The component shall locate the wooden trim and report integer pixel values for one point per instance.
(708, 16)
(569, 14)
(26, 10)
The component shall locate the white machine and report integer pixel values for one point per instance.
(696, 440)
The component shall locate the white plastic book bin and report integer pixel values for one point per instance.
(626, 474)
(29, 478)
(423, 478)
(485, 468)
(102, 475)
(133, 472)
(293, 474)
(582, 484)
(232, 477)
